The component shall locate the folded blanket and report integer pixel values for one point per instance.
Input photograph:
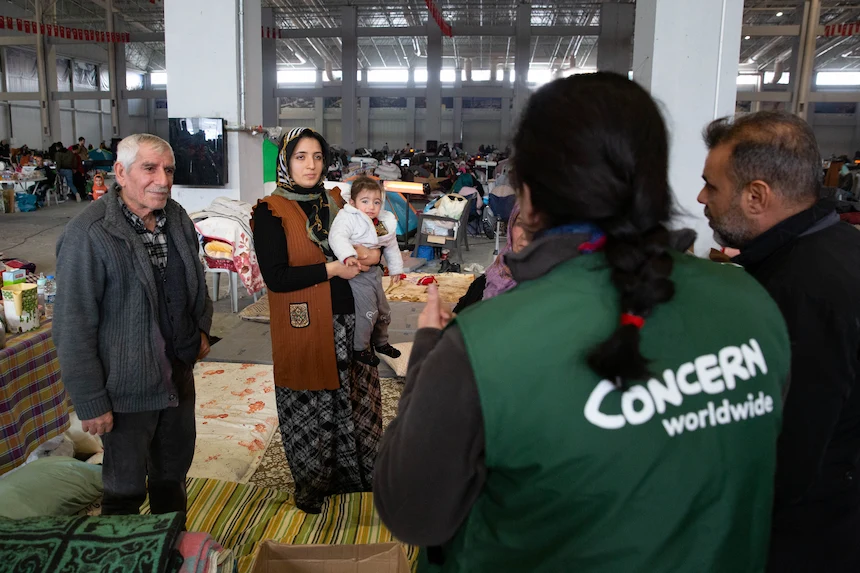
(227, 221)
(199, 551)
(113, 544)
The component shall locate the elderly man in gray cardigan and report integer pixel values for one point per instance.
(131, 317)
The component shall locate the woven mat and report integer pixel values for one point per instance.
(257, 312)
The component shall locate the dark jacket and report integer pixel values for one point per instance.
(810, 264)
(106, 328)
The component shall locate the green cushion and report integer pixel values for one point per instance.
(54, 485)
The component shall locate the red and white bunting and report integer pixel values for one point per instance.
(271, 33)
(439, 19)
(56, 31)
(852, 29)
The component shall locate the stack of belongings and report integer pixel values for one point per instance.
(202, 554)
(152, 543)
(388, 172)
(228, 242)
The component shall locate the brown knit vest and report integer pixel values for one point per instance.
(301, 321)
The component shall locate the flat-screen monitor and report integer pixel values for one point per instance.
(432, 146)
(200, 149)
(404, 163)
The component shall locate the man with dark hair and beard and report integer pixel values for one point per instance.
(762, 196)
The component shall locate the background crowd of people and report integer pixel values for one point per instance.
(601, 400)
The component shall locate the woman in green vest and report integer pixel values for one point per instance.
(616, 411)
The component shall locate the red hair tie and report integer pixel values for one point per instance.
(633, 319)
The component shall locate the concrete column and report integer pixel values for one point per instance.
(364, 121)
(319, 107)
(458, 120)
(73, 137)
(123, 126)
(54, 122)
(522, 57)
(458, 107)
(806, 60)
(350, 73)
(615, 43)
(149, 104)
(4, 85)
(855, 141)
(410, 123)
(686, 54)
(270, 71)
(434, 84)
(227, 84)
(44, 92)
(507, 133)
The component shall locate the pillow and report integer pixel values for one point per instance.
(55, 486)
(399, 365)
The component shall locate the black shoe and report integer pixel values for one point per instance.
(445, 267)
(366, 357)
(388, 350)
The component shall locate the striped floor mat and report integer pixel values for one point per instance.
(240, 516)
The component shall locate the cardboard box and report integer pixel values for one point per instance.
(375, 558)
(14, 277)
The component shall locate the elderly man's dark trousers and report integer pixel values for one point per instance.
(154, 449)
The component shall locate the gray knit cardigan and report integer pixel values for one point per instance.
(106, 329)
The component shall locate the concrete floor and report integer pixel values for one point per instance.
(33, 236)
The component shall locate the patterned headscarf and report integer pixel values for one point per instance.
(499, 277)
(314, 201)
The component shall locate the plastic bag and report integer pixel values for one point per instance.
(59, 446)
(25, 202)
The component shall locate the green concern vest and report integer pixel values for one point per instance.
(675, 474)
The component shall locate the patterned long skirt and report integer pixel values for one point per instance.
(331, 436)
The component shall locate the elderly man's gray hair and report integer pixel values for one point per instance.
(126, 151)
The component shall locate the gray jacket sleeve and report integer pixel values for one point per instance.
(81, 278)
(430, 468)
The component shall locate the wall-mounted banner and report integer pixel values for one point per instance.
(53, 30)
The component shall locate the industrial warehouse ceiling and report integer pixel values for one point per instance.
(757, 53)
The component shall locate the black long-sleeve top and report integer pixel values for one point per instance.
(270, 242)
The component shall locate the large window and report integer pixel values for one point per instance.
(448, 76)
(158, 78)
(388, 76)
(539, 77)
(288, 77)
(783, 81)
(837, 79)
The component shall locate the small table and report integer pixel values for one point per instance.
(34, 406)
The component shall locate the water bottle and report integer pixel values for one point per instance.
(41, 284)
(50, 290)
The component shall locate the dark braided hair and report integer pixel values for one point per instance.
(594, 148)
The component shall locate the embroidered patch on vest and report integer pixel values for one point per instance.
(299, 315)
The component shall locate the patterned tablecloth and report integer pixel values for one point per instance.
(34, 406)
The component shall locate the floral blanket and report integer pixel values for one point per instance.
(228, 221)
(236, 419)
